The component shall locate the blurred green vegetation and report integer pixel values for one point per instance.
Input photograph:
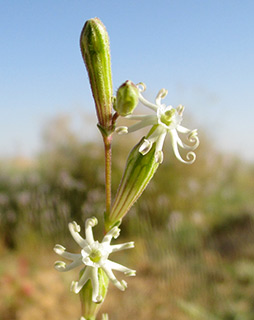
(194, 223)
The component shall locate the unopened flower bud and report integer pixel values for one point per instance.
(138, 172)
(94, 43)
(126, 98)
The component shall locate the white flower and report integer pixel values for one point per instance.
(93, 255)
(166, 120)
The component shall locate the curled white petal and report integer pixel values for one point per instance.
(60, 265)
(141, 86)
(74, 230)
(123, 246)
(145, 147)
(121, 285)
(61, 251)
(148, 104)
(95, 284)
(190, 155)
(113, 233)
(78, 285)
(158, 148)
(116, 266)
(161, 95)
(142, 117)
(140, 125)
(121, 130)
(73, 287)
(159, 156)
(90, 223)
(192, 137)
(180, 109)
(63, 267)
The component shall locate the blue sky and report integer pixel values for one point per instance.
(201, 51)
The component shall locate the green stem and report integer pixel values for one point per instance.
(107, 147)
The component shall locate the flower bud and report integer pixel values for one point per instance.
(88, 307)
(126, 98)
(138, 172)
(94, 44)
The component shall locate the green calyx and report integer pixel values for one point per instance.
(138, 172)
(166, 118)
(126, 98)
(94, 44)
(89, 308)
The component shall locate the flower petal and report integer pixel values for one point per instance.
(61, 251)
(61, 266)
(147, 103)
(116, 266)
(76, 286)
(95, 284)
(123, 246)
(90, 223)
(174, 140)
(161, 95)
(113, 233)
(74, 230)
(121, 285)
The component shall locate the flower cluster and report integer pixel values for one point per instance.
(166, 120)
(93, 255)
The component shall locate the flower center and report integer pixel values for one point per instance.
(95, 255)
(167, 117)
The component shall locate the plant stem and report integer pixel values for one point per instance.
(107, 147)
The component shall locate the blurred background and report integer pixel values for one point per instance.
(194, 225)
